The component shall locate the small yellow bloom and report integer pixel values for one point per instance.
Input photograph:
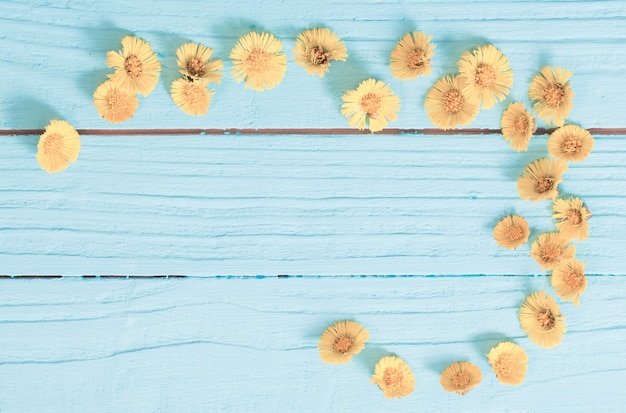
(394, 377)
(460, 377)
(488, 74)
(572, 217)
(411, 56)
(371, 105)
(511, 232)
(570, 143)
(540, 317)
(137, 68)
(194, 61)
(518, 126)
(58, 146)
(568, 280)
(509, 362)
(541, 179)
(114, 104)
(551, 95)
(446, 105)
(257, 59)
(315, 48)
(192, 97)
(550, 248)
(341, 341)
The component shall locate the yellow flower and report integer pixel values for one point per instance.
(550, 248)
(570, 143)
(540, 317)
(315, 48)
(137, 68)
(257, 59)
(488, 74)
(411, 56)
(568, 280)
(194, 61)
(192, 97)
(372, 104)
(509, 362)
(572, 217)
(394, 377)
(446, 105)
(341, 341)
(460, 377)
(58, 146)
(551, 95)
(518, 126)
(511, 232)
(541, 179)
(114, 104)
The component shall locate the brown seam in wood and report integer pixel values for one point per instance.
(296, 131)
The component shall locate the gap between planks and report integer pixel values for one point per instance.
(296, 131)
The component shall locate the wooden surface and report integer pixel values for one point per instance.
(303, 199)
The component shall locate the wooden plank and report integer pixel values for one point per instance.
(250, 345)
(315, 205)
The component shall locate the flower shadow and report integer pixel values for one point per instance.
(484, 342)
(452, 47)
(40, 114)
(370, 355)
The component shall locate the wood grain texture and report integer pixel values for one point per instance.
(233, 345)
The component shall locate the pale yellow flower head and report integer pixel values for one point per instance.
(509, 362)
(551, 95)
(114, 105)
(447, 106)
(317, 48)
(569, 280)
(541, 179)
(572, 218)
(540, 318)
(192, 97)
(194, 62)
(411, 56)
(137, 68)
(460, 377)
(371, 105)
(550, 248)
(394, 377)
(341, 341)
(511, 232)
(570, 143)
(58, 146)
(518, 126)
(258, 61)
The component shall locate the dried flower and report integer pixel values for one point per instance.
(518, 126)
(315, 48)
(509, 362)
(372, 104)
(488, 74)
(58, 146)
(568, 280)
(550, 248)
(551, 95)
(572, 217)
(411, 56)
(570, 143)
(192, 97)
(114, 104)
(540, 179)
(394, 377)
(460, 377)
(446, 105)
(511, 232)
(341, 341)
(540, 317)
(194, 61)
(137, 68)
(258, 60)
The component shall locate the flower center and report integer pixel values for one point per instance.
(453, 101)
(193, 93)
(53, 144)
(554, 95)
(550, 253)
(485, 76)
(504, 365)
(393, 376)
(117, 101)
(318, 57)
(574, 279)
(257, 61)
(196, 67)
(545, 319)
(515, 233)
(574, 216)
(521, 124)
(544, 184)
(371, 104)
(416, 59)
(343, 345)
(133, 66)
(461, 380)
(571, 145)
